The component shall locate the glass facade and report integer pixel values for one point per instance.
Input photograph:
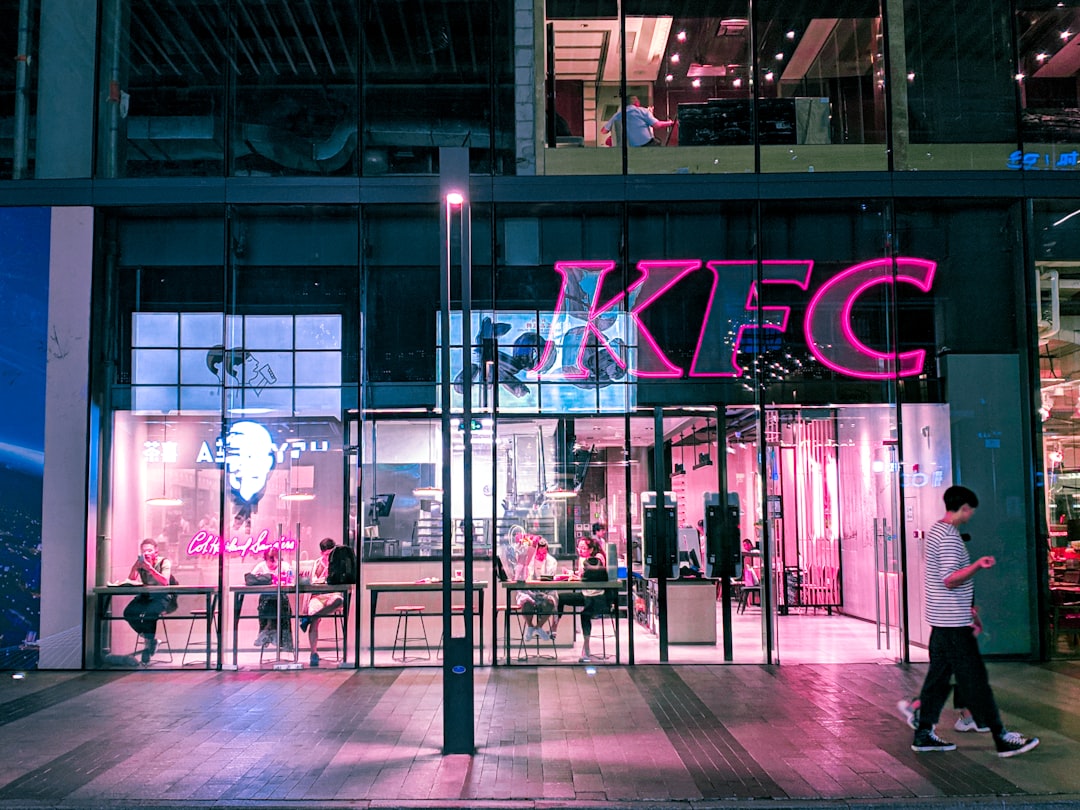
(759, 386)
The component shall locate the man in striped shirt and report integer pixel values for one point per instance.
(955, 624)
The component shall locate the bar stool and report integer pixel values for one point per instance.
(455, 610)
(402, 637)
(198, 614)
(523, 654)
(164, 645)
(603, 622)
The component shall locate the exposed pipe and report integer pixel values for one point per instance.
(22, 105)
(113, 23)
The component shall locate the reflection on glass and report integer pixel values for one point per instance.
(1049, 89)
(821, 92)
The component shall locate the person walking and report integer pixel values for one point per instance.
(955, 625)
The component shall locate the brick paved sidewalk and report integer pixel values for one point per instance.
(646, 737)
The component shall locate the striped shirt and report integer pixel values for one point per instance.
(945, 554)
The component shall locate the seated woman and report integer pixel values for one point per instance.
(538, 605)
(320, 604)
(270, 567)
(593, 567)
(586, 547)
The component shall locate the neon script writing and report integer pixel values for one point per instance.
(734, 310)
(205, 544)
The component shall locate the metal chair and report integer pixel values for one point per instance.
(402, 637)
(164, 645)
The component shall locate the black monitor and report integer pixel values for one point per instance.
(381, 504)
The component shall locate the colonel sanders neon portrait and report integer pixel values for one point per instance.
(249, 458)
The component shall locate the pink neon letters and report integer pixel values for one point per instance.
(205, 544)
(581, 312)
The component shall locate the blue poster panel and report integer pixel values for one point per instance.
(24, 279)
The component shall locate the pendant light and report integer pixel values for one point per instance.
(430, 491)
(164, 499)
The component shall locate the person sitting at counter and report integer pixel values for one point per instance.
(586, 547)
(538, 605)
(143, 611)
(320, 604)
(271, 569)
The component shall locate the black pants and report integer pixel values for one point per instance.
(954, 651)
(594, 606)
(143, 611)
(268, 610)
(570, 599)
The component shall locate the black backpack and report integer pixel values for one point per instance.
(593, 569)
(341, 567)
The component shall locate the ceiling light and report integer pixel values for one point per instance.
(681, 36)
(769, 76)
(780, 57)
(790, 35)
(669, 78)
(1042, 57)
(297, 496)
(1065, 35)
(696, 83)
(674, 59)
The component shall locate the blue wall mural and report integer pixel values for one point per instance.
(24, 280)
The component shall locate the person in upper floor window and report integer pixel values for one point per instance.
(640, 123)
(143, 612)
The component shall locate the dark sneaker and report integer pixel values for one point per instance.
(149, 647)
(910, 713)
(314, 659)
(1011, 743)
(927, 740)
(305, 622)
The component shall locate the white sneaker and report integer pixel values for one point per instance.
(544, 634)
(530, 632)
(910, 714)
(964, 723)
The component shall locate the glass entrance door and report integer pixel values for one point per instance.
(832, 527)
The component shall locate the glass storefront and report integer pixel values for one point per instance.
(759, 386)
(761, 405)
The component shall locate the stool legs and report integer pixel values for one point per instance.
(196, 615)
(402, 637)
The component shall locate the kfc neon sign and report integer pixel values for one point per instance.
(582, 312)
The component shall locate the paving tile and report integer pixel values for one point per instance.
(643, 735)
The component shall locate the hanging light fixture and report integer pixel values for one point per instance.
(300, 478)
(300, 488)
(429, 491)
(705, 459)
(680, 467)
(164, 453)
